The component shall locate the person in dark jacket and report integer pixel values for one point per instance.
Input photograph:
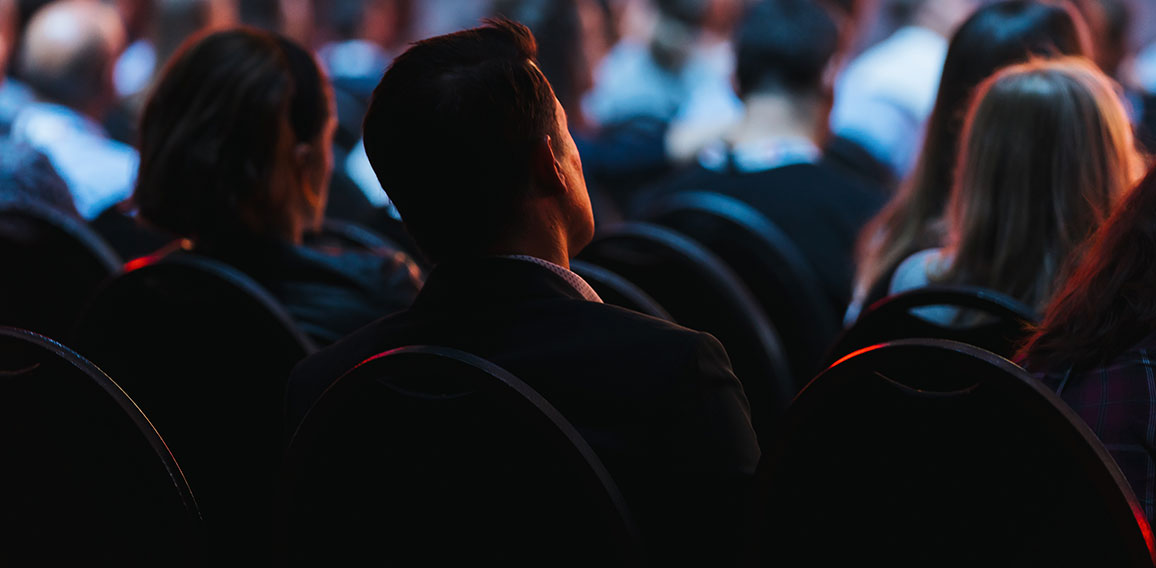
(235, 157)
(467, 137)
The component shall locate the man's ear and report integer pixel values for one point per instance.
(548, 176)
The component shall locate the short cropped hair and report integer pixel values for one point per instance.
(450, 132)
(72, 71)
(785, 45)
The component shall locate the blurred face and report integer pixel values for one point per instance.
(580, 221)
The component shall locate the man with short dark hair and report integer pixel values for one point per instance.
(466, 136)
(786, 52)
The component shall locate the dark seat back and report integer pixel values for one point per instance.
(52, 264)
(428, 456)
(992, 321)
(702, 293)
(206, 352)
(618, 291)
(929, 453)
(348, 234)
(776, 272)
(86, 480)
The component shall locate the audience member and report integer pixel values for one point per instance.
(262, 14)
(171, 23)
(1097, 342)
(1119, 59)
(67, 58)
(666, 75)
(134, 67)
(569, 34)
(785, 53)
(1046, 151)
(14, 94)
(25, 174)
(467, 137)
(364, 34)
(997, 35)
(235, 157)
(663, 89)
(885, 95)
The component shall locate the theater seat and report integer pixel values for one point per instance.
(429, 456)
(927, 452)
(988, 319)
(52, 263)
(701, 292)
(86, 480)
(771, 265)
(206, 353)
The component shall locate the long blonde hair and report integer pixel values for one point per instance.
(1046, 152)
(994, 36)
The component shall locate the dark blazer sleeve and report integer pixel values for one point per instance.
(714, 456)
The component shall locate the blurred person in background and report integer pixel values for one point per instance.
(67, 58)
(1047, 152)
(14, 94)
(26, 175)
(885, 95)
(235, 158)
(677, 68)
(1117, 55)
(170, 23)
(786, 52)
(135, 66)
(997, 35)
(665, 81)
(363, 36)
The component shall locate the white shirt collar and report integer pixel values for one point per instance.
(575, 281)
(759, 155)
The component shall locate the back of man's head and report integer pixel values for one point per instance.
(785, 46)
(69, 50)
(451, 130)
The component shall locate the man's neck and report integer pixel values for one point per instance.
(548, 249)
(777, 116)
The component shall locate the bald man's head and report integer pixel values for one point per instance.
(68, 53)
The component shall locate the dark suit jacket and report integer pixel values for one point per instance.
(328, 292)
(658, 403)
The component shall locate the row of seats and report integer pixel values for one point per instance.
(916, 451)
(204, 351)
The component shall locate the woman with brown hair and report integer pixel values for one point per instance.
(1097, 343)
(1000, 34)
(1047, 150)
(236, 156)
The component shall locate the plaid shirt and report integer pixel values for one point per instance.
(1118, 402)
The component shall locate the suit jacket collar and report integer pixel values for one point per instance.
(475, 282)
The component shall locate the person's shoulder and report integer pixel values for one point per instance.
(919, 269)
(362, 265)
(690, 177)
(620, 329)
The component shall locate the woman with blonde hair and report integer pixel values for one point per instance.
(1047, 151)
(997, 35)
